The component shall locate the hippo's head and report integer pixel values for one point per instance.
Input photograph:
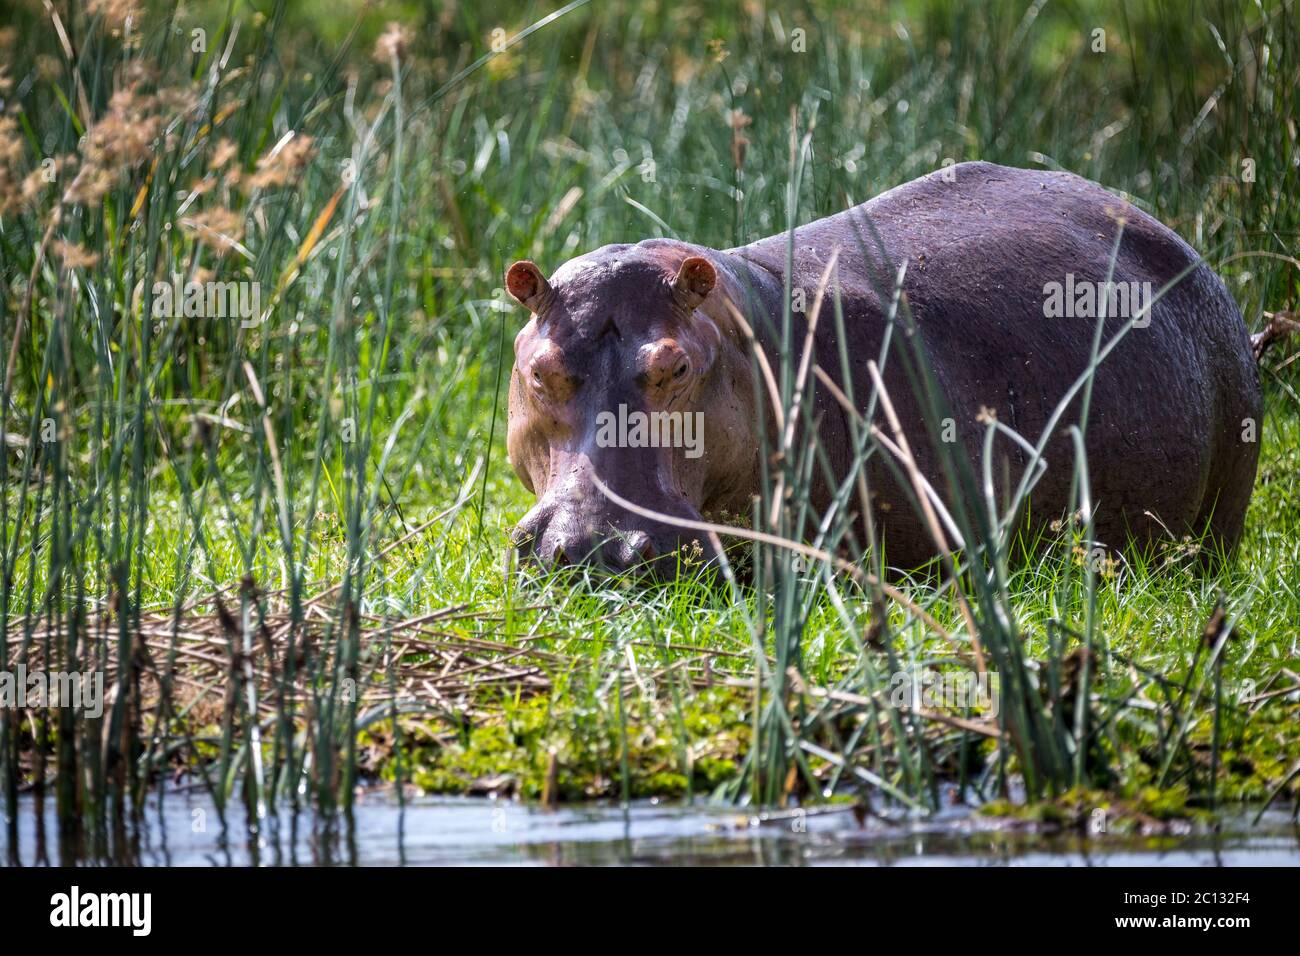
(630, 371)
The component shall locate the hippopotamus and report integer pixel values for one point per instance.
(1003, 273)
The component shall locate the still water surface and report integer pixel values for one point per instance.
(183, 829)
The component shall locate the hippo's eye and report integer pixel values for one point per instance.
(662, 364)
(549, 379)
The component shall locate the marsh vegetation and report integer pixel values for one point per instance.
(282, 537)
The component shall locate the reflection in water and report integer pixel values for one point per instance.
(184, 829)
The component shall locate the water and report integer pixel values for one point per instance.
(185, 831)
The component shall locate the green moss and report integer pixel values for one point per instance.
(1097, 811)
(516, 754)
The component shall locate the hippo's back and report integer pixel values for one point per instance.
(1006, 273)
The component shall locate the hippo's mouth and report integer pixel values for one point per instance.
(595, 532)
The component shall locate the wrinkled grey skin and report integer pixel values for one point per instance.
(631, 324)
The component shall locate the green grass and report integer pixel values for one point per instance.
(383, 363)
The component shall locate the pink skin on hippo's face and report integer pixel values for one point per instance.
(622, 337)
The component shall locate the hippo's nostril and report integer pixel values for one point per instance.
(631, 551)
(641, 545)
(555, 552)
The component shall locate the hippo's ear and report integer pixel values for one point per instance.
(695, 280)
(526, 283)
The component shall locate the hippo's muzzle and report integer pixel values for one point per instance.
(575, 523)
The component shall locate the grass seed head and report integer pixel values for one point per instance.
(283, 163)
(393, 43)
